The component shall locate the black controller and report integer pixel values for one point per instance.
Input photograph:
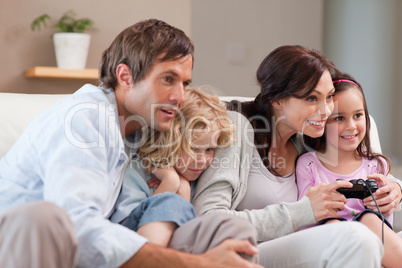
(360, 188)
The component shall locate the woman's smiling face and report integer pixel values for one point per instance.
(308, 115)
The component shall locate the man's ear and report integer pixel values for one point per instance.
(124, 76)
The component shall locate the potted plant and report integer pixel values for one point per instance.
(71, 42)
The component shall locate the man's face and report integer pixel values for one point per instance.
(156, 99)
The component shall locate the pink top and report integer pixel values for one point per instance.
(310, 172)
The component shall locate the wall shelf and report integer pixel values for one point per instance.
(54, 72)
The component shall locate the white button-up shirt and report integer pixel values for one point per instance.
(73, 155)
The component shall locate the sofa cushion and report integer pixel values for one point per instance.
(17, 111)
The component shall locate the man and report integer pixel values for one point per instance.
(72, 159)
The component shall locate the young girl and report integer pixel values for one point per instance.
(344, 152)
(171, 161)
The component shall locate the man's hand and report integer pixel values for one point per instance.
(225, 255)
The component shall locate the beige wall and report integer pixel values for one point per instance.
(232, 37)
(22, 49)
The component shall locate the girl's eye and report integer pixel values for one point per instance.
(358, 115)
(338, 118)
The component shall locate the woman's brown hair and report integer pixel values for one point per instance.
(288, 71)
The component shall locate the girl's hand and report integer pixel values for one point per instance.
(326, 201)
(154, 182)
(387, 196)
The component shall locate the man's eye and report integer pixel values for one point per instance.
(167, 79)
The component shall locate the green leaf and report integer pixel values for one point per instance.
(67, 23)
(38, 21)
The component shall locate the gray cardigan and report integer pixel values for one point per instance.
(223, 185)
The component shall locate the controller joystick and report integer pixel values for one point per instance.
(360, 188)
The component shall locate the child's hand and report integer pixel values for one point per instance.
(387, 195)
(170, 180)
(162, 173)
(154, 182)
(184, 188)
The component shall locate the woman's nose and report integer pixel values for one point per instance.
(325, 110)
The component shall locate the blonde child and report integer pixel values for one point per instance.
(344, 152)
(157, 186)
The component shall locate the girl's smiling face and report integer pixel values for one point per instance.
(204, 151)
(346, 126)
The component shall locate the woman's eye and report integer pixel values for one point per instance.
(312, 98)
(358, 115)
(330, 97)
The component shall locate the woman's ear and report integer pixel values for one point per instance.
(124, 76)
(277, 104)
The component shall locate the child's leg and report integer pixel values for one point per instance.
(392, 242)
(158, 232)
(158, 216)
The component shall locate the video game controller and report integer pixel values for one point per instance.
(360, 188)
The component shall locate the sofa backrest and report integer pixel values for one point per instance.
(18, 110)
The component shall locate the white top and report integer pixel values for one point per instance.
(260, 178)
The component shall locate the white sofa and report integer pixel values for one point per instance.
(18, 110)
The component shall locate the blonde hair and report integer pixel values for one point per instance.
(201, 113)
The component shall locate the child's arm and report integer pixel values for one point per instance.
(184, 189)
(304, 176)
(388, 195)
(170, 180)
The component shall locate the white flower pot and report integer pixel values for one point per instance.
(71, 49)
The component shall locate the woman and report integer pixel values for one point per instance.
(255, 179)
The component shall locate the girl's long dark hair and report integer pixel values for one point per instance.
(288, 71)
(341, 83)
